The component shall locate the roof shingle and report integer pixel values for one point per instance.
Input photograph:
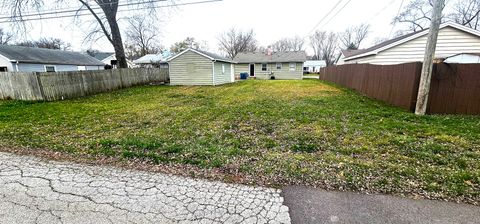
(47, 56)
(260, 57)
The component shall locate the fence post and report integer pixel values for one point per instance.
(39, 85)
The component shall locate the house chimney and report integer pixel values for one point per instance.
(269, 51)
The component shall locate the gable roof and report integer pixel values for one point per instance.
(102, 55)
(150, 58)
(46, 56)
(353, 54)
(211, 56)
(260, 57)
(312, 63)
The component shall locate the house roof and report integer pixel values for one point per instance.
(209, 55)
(46, 56)
(260, 57)
(102, 55)
(353, 54)
(473, 54)
(149, 59)
(320, 63)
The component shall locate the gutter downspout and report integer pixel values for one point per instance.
(16, 66)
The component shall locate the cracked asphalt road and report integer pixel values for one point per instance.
(37, 191)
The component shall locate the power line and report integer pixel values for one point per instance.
(381, 10)
(66, 10)
(124, 10)
(320, 22)
(398, 13)
(343, 7)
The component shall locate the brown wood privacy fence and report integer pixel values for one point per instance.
(455, 88)
(68, 85)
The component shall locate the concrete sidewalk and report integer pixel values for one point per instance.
(317, 206)
(37, 191)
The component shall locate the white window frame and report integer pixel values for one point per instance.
(266, 67)
(54, 68)
(279, 67)
(294, 67)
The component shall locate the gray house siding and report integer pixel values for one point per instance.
(26, 67)
(223, 77)
(191, 69)
(284, 73)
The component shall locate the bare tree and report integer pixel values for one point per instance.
(325, 46)
(353, 37)
(418, 13)
(289, 44)
(48, 43)
(189, 42)
(5, 37)
(105, 13)
(235, 41)
(467, 12)
(142, 37)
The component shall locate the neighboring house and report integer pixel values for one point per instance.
(452, 39)
(29, 59)
(152, 61)
(313, 66)
(194, 67)
(277, 65)
(463, 58)
(109, 58)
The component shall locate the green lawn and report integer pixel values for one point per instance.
(276, 132)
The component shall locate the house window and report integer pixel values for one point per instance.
(50, 68)
(264, 67)
(293, 66)
(279, 66)
(164, 66)
(3, 69)
(223, 69)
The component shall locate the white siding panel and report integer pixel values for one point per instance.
(6, 63)
(241, 68)
(220, 76)
(450, 42)
(191, 69)
(284, 73)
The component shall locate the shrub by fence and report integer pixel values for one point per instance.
(455, 88)
(67, 85)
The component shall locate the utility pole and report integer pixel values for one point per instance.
(426, 77)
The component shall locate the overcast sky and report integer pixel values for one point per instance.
(270, 19)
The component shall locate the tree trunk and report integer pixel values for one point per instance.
(118, 44)
(426, 77)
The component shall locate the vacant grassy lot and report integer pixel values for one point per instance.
(275, 132)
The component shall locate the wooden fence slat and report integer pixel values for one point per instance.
(455, 88)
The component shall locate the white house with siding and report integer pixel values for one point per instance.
(271, 65)
(109, 58)
(313, 66)
(194, 67)
(464, 58)
(29, 59)
(453, 39)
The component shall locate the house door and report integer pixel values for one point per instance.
(252, 69)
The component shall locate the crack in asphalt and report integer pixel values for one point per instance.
(37, 191)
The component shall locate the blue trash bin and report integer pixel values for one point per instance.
(243, 75)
